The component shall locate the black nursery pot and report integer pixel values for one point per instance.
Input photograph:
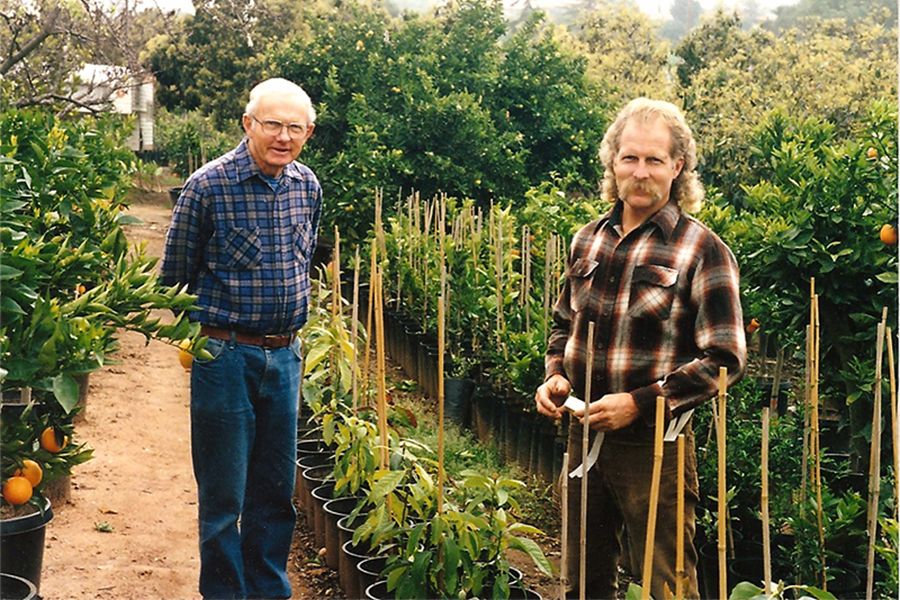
(369, 570)
(22, 544)
(458, 400)
(13, 587)
(336, 509)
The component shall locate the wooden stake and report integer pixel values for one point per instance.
(336, 275)
(585, 434)
(380, 369)
(680, 575)
(650, 540)
(764, 500)
(875, 456)
(723, 504)
(354, 331)
(564, 528)
(440, 394)
(817, 455)
(804, 461)
(893, 380)
(370, 309)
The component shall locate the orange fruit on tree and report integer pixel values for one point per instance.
(888, 234)
(17, 490)
(185, 357)
(50, 440)
(31, 471)
(872, 153)
(753, 325)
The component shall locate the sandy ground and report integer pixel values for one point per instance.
(139, 485)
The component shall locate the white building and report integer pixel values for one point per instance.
(124, 93)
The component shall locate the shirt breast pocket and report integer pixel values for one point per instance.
(581, 277)
(243, 250)
(652, 292)
(303, 240)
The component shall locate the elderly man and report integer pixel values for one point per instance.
(662, 290)
(242, 235)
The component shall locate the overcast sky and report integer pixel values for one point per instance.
(655, 8)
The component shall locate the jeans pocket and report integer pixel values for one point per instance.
(297, 347)
(215, 347)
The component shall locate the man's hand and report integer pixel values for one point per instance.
(551, 395)
(611, 412)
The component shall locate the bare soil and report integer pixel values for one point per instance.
(128, 527)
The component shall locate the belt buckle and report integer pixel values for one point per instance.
(273, 340)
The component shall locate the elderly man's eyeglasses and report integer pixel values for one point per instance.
(274, 127)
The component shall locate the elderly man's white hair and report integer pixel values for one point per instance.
(280, 87)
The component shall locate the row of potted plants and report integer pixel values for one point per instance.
(435, 539)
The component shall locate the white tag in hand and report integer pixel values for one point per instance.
(572, 404)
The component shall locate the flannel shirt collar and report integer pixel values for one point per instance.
(665, 219)
(245, 167)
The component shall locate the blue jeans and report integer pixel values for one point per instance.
(243, 444)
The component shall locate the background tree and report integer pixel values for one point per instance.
(625, 54)
(46, 42)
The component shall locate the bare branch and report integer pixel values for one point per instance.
(47, 29)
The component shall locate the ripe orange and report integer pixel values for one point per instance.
(753, 325)
(31, 471)
(872, 153)
(50, 440)
(185, 357)
(17, 490)
(888, 234)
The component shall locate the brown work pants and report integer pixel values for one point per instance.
(618, 500)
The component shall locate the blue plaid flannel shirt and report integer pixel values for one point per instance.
(244, 244)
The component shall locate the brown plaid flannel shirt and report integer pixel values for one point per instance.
(665, 299)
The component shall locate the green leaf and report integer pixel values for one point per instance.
(65, 388)
(817, 593)
(634, 592)
(746, 591)
(531, 548)
(887, 277)
(385, 485)
(7, 272)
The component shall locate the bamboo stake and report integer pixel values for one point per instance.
(729, 530)
(370, 309)
(585, 434)
(564, 528)
(816, 447)
(440, 394)
(336, 275)
(806, 419)
(680, 575)
(650, 540)
(776, 380)
(875, 456)
(380, 369)
(354, 331)
(893, 380)
(764, 500)
(720, 433)
(548, 257)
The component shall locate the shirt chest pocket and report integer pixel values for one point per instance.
(581, 277)
(302, 240)
(242, 249)
(652, 292)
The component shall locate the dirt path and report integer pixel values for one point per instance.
(139, 483)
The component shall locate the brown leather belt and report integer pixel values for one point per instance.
(278, 340)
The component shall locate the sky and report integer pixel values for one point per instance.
(654, 8)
